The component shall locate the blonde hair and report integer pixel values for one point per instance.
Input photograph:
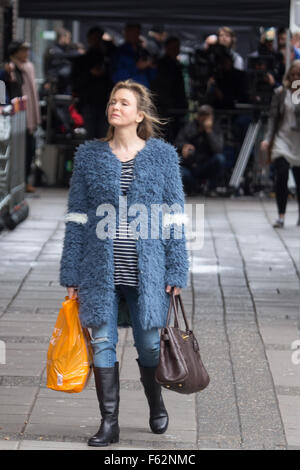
(287, 80)
(150, 125)
(231, 33)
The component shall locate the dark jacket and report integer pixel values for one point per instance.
(233, 85)
(58, 66)
(14, 87)
(206, 144)
(88, 87)
(168, 86)
(124, 65)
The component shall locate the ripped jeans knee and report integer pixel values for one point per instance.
(104, 347)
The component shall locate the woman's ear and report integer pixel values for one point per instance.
(140, 117)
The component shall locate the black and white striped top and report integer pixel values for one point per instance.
(125, 256)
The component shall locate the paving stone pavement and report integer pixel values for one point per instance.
(242, 300)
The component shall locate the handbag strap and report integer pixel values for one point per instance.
(183, 313)
(174, 303)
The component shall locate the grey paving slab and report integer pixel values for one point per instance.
(217, 413)
(256, 398)
(23, 363)
(47, 316)
(283, 333)
(284, 371)
(52, 445)
(8, 445)
(17, 395)
(23, 328)
(290, 409)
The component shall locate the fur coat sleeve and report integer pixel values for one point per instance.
(176, 253)
(75, 219)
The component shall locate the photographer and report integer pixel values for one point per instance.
(58, 62)
(266, 50)
(169, 89)
(200, 143)
(227, 38)
(227, 85)
(262, 81)
(92, 83)
(131, 60)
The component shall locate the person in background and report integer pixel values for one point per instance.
(92, 83)
(227, 85)
(168, 87)
(200, 144)
(282, 140)
(58, 62)
(20, 82)
(266, 49)
(295, 40)
(131, 60)
(156, 39)
(293, 55)
(281, 43)
(227, 38)
(210, 40)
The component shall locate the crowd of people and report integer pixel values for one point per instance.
(219, 78)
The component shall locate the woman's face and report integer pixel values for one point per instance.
(225, 39)
(22, 54)
(122, 109)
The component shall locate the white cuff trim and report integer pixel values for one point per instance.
(77, 217)
(177, 219)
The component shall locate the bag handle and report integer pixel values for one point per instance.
(174, 303)
(183, 313)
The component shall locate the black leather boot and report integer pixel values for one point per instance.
(159, 418)
(108, 393)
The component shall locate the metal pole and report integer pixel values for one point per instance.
(75, 31)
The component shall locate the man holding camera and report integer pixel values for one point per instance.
(201, 143)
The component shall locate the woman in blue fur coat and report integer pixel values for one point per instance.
(131, 157)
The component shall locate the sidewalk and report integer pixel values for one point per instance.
(242, 299)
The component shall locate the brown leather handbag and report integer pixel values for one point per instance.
(180, 366)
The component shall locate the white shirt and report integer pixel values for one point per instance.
(287, 140)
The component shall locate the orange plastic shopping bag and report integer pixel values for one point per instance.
(69, 358)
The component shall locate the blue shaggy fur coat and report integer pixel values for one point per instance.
(87, 261)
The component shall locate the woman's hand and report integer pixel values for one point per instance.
(72, 292)
(264, 146)
(176, 290)
(264, 149)
(187, 149)
(9, 67)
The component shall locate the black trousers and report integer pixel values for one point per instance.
(281, 173)
(29, 154)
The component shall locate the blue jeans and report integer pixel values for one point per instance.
(105, 338)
